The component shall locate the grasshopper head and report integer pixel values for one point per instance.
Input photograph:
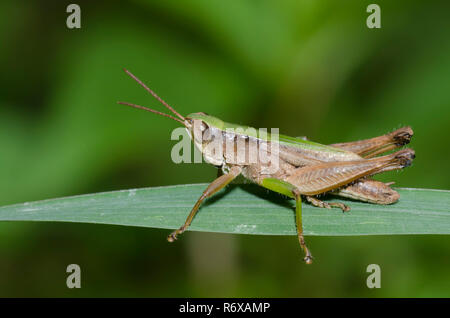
(205, 131)
(202, 122)
(201, 126)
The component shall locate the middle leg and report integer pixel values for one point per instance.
(320, 204)
(291, 191)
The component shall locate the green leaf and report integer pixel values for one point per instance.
(243, 209)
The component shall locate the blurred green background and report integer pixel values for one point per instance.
(311, 68)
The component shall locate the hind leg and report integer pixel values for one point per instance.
(369, 148)
(348, 179)
(368, 190)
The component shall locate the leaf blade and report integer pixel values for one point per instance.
(242, 209)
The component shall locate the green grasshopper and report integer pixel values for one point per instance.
(304, 169)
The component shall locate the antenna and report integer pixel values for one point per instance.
(155, 96)
(152, 111)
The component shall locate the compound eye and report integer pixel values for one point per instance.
(204, 126)
(199, 127)
(208, 135)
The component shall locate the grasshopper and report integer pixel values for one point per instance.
(305, 169)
